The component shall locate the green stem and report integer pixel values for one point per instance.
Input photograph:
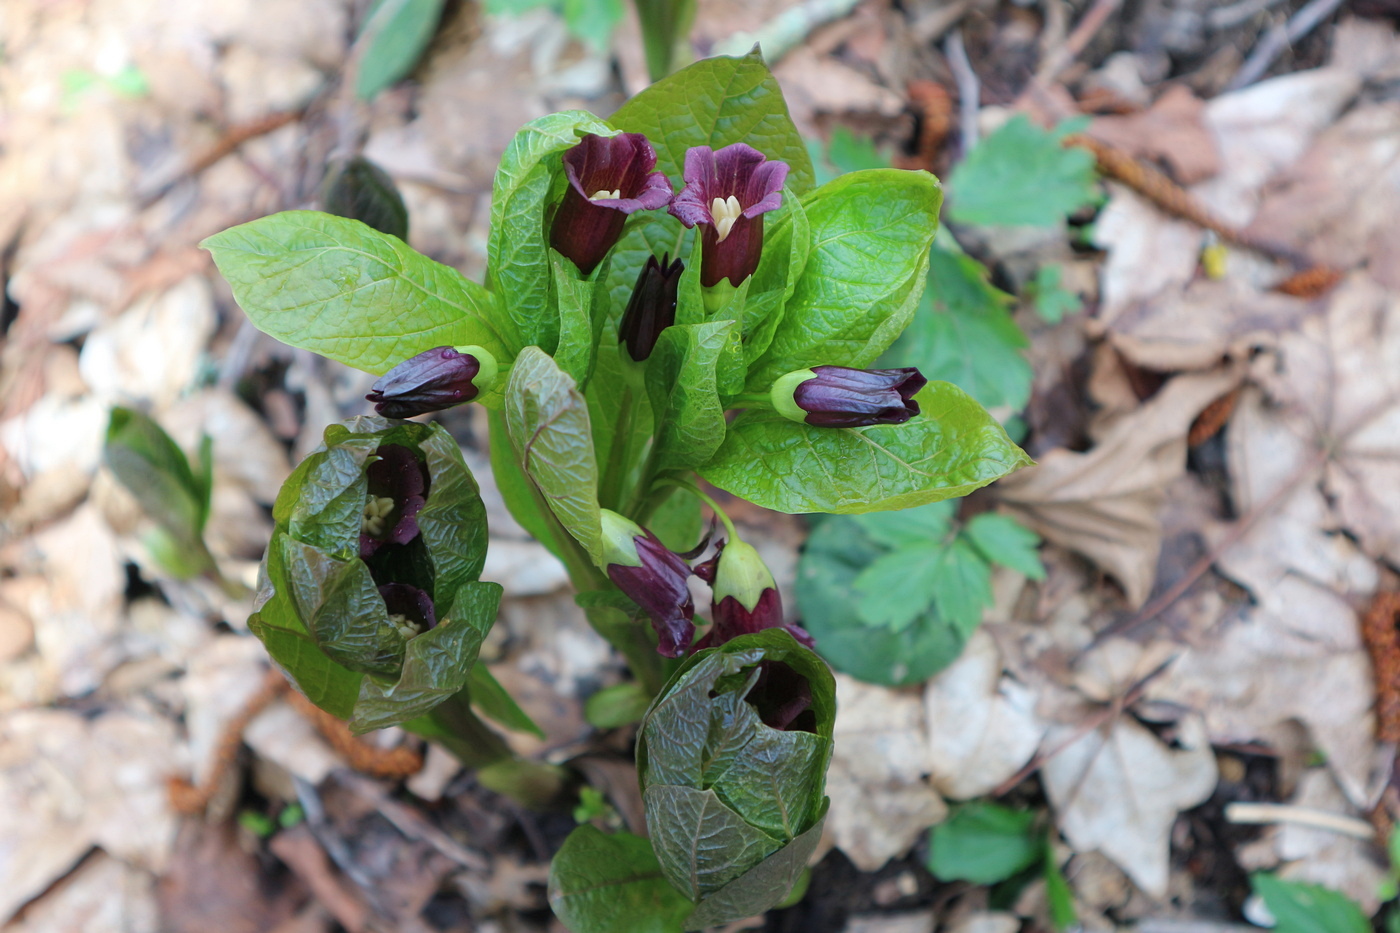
(614, 473)
(695, 491)
(751, 400)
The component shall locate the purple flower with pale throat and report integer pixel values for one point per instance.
(839, 397)
(433, 380)
(653, 577)
(652, 307)
(726, 194)
(410, 609)
(609, 178)
(398, 489)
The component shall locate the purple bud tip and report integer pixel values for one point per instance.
(658, 585)
(839, 397)
(431, 381)
(652, 307)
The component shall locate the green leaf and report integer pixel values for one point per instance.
(786, 247)
(1308, 908)
(1058, 894)
(963, 333)
(836, 552)
(677, 521)
(495, 702)
(155, 470)
(962, 585)
(984, 843)
(716, 102)
(617, 706)
(339, 288)
(612, 884)
(453, 520)
(871, 233)
(896, 588)
(437, 663)
(593, 21)
(1005, 541)
(547, 421)
(1021, 176)
(583, 308)
(339, 603)
(360, 190)
(517, 249)
(1052, 302)
(702, 845)
(920, 525)
(397, 45)
(949, 450)
(684, 393)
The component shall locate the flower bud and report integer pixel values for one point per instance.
(746, 600)
(726, 194)
(838, 397)
(609, 178)
(398, 487)
(433, 380)
(363, 191)
(652, 307)
(653, 577)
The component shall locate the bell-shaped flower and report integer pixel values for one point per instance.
(433, 380)
(839, 397)
(609, 178)
(746, 600)
(653, 577)
(398, 489)
(652, 307)
(726, 194)
(410, 608)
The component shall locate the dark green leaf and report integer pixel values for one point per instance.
(702, 845)
(548, 425)
(612, 884)
(346, 291)
(681, 383)
(1058, 894)
(1308, 908)
(340, 605)
(360, 190)
(155, 470)
(949, 450)
(496, 703)
(1005, 541)
(983, 843)
(665, 24)
(518, 264)
(616, 706)
(836, 552)
(964, 334)
(871, 233)
(716, 102)
(397, 44)
(1021, 176)
(453, 520)
(436, 664)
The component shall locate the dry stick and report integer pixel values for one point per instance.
(234, 137)
(1259, 814)
(1231, 16)
(1085, 30)
(969, 89)
(189, 798)
(1279, 38)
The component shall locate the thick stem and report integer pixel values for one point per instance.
(614, 473)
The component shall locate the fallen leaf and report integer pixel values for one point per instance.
(214, 886)
(1342, 863)
(1117, 789)
(982, 726)
(881, 800)
(1172, 130)
(1104, 503)
(102, 894)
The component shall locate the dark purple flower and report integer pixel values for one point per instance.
(838, 397)
(746, 599)
(398, 489)
(726, 193)
(652, 307)
(609, 178)
(433, 380)
(410, 609)
(654, 578)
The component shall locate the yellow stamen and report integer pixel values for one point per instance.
(603, 194)
(725, 211)
(406, 628)
(376, 511)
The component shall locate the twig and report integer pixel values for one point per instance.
(1382, 642)
(234, 137)
(786, 31)
(411, 823)
(1279, 38)
(1265, 813)
(1088, 26)
(392, 763)
(189, 798)
(1228, 17)
(969, 89)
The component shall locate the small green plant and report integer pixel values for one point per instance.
(1308, 908)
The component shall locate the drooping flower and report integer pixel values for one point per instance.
(410, 608)
(652, 576)
(609, 178)
(726, 194)
(433, 380)
(398, 489)
(839, 397)
(746, 599)
(652, 307)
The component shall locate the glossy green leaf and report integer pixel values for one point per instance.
(583, 311)
(339, 288)
(547, 421)
(702, 845)
(453, 520)
(787, 243)
(521, 498)
(949, 450)
(517, 248)
(768, 884)
(156, 471)
(340, 605)
(612, 884)
(323, 502)
(684, 393)
(1003, 540)
(716, 102)
(398, 42)
(1308, 908)
(963, 333)
(360, 190)
(1022, 176)
(835, 553)
(984, 843)
(436, 664)
(495, 702)
(871, 233)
